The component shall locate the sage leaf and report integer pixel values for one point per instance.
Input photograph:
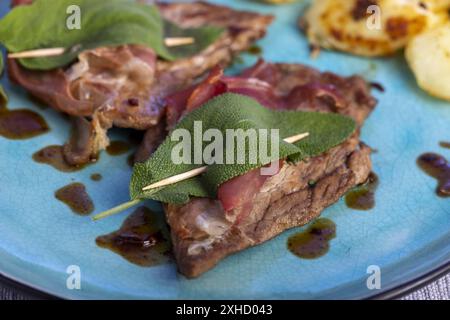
(203, 38)
(234, 111)
(43, 24)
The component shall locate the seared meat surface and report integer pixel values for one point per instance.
(203, 233)
(126, 86)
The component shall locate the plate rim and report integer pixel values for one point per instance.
(401, 290)
(406, 286)
(415, 284)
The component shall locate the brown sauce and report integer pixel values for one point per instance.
(314, 242)
(437, 167)
(117, 148)
(54, 156)
(130, 160)
(363, 197)
(96, 177)
(255, 50)
(142, 239)
(21, 124)
(445, 144)
(75, 196)
(377, 86)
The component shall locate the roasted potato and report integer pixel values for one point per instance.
(388, 26)
(438, 4)
(428, 55)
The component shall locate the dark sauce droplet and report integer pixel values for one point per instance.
(142, 239)
(314, 242)
(130, 160)
(21, 124)
(445, 144)
(54, 156)
(438, 167)
(117, 148)
(363, 197)
(75, 196)
(96, 177)
(255, 50)
(377, 86)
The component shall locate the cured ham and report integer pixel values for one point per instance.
(252, 208)
(127, 86)
(256, 82)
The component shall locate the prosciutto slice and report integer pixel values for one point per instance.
(127, 86)
(251, 208)
(256, 82)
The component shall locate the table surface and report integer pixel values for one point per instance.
(438, 290)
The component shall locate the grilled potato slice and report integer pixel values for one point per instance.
(390, 24)
(438, 4)
(428, 55)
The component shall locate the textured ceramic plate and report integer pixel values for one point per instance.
(406, 234)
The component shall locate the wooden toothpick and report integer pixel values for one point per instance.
(176, 178)
(180, 41)
(196, 172)
(172, 180)
(296, 138)
(39, 53)
(51, 52)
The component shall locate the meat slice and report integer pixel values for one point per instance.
(204, 233)
(126, 86)
(86, 137)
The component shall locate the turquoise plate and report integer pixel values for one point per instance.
(406, 234)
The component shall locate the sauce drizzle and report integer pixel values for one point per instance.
(117, 148)
(21, 124)
(314, 242)
(437, 167)
(96, 177)
(142, 239)
(363, 197)
(54, 156)
(255, 50)
(130, 160)
(75, 196)
(445, 144)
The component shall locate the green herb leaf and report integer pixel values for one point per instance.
(203, 38)
(3, 96)
(233, 111)
(103, 23)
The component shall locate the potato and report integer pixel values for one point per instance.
(438, 4)
(346, 25)
(428, 55)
